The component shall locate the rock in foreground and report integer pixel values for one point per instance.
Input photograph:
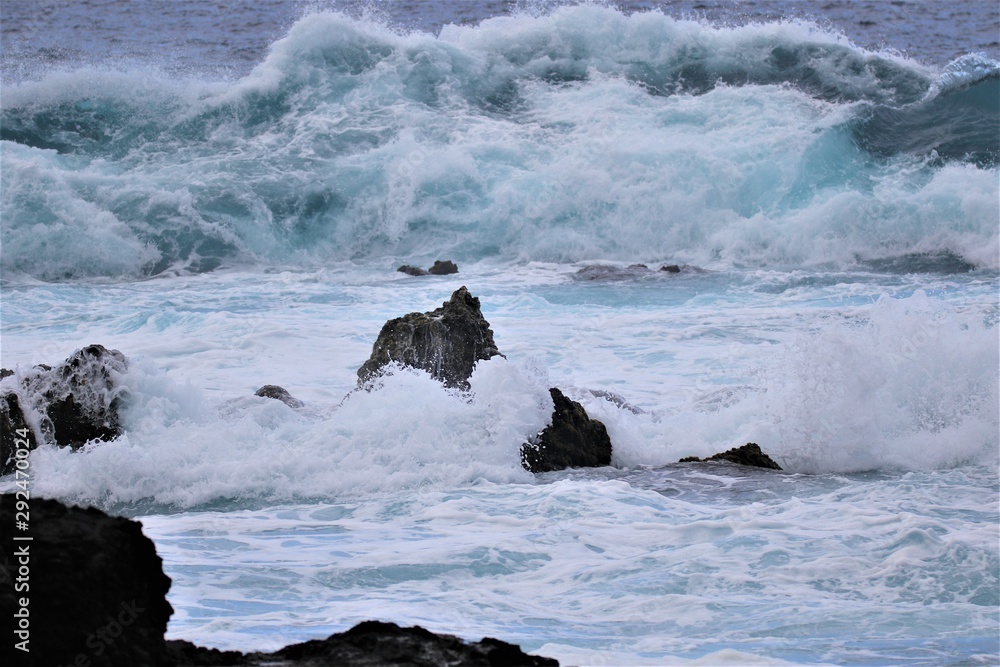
(74, 403)
(446, 342)
(377, 644)
(95, 586)
(572, 440)
(97, 597)
(749, 454)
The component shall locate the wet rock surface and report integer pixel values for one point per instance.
(571, 440)
(446, 342)
(749, 454)
(67, 405)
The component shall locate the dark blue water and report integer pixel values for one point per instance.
(233, 36)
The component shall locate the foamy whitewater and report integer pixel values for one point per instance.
(229, 221)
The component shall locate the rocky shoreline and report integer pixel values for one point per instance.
(88, 589)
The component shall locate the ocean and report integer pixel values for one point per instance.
(223, 192)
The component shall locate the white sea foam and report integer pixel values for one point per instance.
(578, 134)
(904, 383)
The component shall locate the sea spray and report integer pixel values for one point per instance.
(584, 133)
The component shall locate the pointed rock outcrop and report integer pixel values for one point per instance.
(446, 342)
(572, 440)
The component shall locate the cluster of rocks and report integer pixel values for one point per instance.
(79, 400)
(97, 586)
(97, 597)
(441, 268)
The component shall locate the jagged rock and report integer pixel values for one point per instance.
(279, 394)
(447, 267)
(376, 644)
(446, 342)
(95, 586)
(572, 440)
(411, 270)
(749, 454)
(670, 268)
(69, 405)
(14, 431)
(96, 589)
(5, 372)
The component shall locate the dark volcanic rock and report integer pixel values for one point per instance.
(185, 654)
(411, 270)
(447, 267)
(76, 402)
(376, 644)
(670, 268)
(13, 431)
(95, 586)
(749, 454)
(572, 440)
(446, 342)
(279, 394)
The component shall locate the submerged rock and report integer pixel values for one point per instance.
(446, 342)
(611, 272)
(749, 454)
(572, 440)
(69, 405)
(97, 590)
(279, 394)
